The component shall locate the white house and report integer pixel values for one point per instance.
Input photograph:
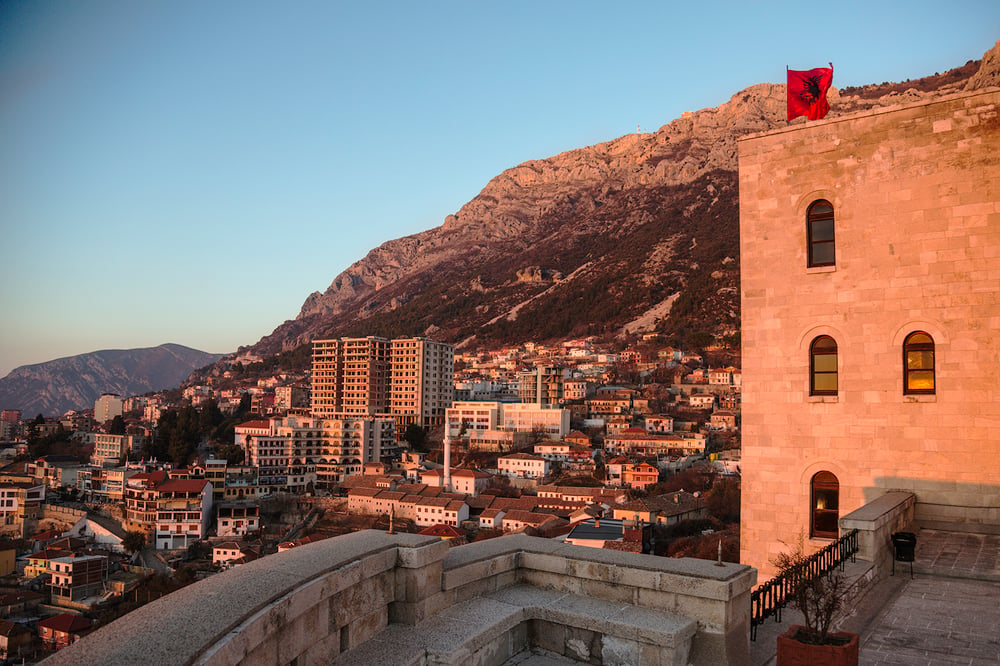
(106, 533)
(523, 466)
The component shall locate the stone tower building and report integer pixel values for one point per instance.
(871, 310)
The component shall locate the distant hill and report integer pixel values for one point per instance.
(75, 382)
(637, 234)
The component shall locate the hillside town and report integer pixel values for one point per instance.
(635, 448)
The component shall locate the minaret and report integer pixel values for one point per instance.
(446, 479)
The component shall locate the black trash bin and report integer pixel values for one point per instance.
(905, 546)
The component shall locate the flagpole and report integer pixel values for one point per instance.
(787, 93)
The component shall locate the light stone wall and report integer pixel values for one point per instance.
(375, 598)
(916, 194)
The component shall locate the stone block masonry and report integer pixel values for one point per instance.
(914, 191)
(375, 598)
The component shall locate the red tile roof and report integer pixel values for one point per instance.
(183, 486)
(66, 623)
(23, 596)
(443, 531)
(12, 629)
(49, 554)
(521, 456)
(471, 472)
(255, 424)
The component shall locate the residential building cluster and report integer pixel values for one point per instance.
(530, 415)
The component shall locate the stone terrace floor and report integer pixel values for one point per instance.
(948, 613)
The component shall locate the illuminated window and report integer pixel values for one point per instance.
(823, 366)
(819, 228)
(825, 503)
(918, 364)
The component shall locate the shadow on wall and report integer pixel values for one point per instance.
(945, 502)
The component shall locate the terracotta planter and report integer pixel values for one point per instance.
(793, 653)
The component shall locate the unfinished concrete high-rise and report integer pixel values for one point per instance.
(411, 379)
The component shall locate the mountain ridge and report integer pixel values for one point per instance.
(75, 382)
(639, 233)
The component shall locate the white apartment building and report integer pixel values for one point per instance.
(499, 420)
(659, 423)
(107, 407)
(109, 449)
(20, 506)
(577, 389)
(483, 389)
(308, 450)
(528, 418)
(152, 412)
(422, 510)
(237, 519)
(466, 418)
(290, 397)
(183, 512)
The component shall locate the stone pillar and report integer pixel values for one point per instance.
(446, 479)
(418, 582)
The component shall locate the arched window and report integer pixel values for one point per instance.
(918, 364)
(825, 505)
(823, 366)
(819, 228)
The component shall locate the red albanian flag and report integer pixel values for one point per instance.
(807, 92)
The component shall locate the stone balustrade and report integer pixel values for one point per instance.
(375, 598)
(876, 522)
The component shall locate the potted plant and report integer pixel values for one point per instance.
(821, 600)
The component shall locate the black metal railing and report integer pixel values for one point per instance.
(772, 596)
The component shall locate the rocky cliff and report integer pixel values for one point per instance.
(75, 382)
(639, 233)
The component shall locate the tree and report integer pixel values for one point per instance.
(723, 501)
(538, 435)
(177, 435)
(134, 541)
(210, 416)
(416, 437)
(233, 454)
(820, 597)
(246, 403)
(33, 427)
(117, 426)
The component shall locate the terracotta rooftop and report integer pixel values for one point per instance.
(183, 486)
(12, 628)
(529, 517)
(66, 622)
(521, 456)
(255, 424)
(443, 531)
(471, 472)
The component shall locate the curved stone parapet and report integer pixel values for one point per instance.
(341, 599)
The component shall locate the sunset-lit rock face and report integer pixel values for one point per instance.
(602, 214)
(915, 250)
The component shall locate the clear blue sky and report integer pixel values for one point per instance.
(190, 171)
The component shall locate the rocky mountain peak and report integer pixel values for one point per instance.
(989, 71)
(641, 222)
